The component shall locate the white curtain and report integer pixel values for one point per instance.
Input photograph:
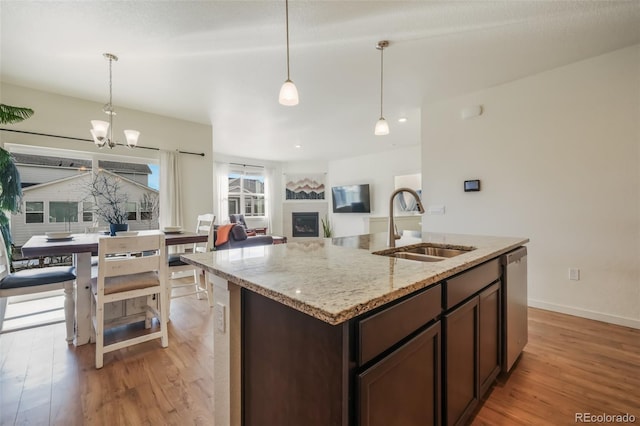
(222, 186)
(170, 190)
(269, 194)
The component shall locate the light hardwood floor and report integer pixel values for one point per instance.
(570, 365)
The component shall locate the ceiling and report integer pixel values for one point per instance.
(223, 62)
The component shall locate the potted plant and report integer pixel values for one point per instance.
(109, 201)
(10, 187)
(327, 230)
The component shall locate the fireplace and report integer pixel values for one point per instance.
(305, 224)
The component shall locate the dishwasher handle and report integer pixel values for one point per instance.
(514, 256)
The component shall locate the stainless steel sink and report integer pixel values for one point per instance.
(436, 251)
(416, 256)
(425, 252)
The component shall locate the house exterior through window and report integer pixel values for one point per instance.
(56, 196)
(247, 192)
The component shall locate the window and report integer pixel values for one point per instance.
(34, 212)
(63, 211)
(132, 212)
(149, 207)
(87, 211)
(246, 193)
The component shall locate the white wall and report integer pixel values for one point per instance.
(67, 116)
(558, 156)
(378, 170)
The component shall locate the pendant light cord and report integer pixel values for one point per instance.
(381, 77)
(287, 17)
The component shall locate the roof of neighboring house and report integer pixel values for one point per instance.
(74, 163)
(41, 160)
(57, 181)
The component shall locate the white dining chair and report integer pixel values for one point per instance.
(200, 284)
(37, 280)
(128, 268)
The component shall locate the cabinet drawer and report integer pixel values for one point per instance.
(379, 332)
(470, 282)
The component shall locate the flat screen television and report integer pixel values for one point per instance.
(351, 199)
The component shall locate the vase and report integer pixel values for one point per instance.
(117, 227)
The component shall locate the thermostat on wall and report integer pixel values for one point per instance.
(471, 185)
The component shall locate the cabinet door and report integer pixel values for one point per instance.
(461, 358)
(404, 387)
(489, 346)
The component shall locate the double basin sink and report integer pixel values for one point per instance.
(425, 252)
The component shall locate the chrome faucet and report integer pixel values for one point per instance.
(393, 234)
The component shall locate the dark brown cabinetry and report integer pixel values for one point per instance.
(489, 338)
(471, 353)
(404, 387)
(461, 360)
(426, 359)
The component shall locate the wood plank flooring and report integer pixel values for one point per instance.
(570, 365)
(45, 381)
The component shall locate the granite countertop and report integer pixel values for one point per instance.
(337, 279)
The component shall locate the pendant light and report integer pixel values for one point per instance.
(102, 131)
(288, 91)
(382, 127)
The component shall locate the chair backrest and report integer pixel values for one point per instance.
(205, 226)
(130, 255)
(5, 268)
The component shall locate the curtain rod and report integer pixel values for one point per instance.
(247, 165)
(201, 154)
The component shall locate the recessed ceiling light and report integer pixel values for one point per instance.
(402, 120)
(298, 146)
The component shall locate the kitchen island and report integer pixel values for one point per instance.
(326, 332)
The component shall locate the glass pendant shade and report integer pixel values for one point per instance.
(132, 137)
(382, 127)
(100, 128)
(99, 132)
(288, 94)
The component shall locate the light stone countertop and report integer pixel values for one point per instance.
(337, 279)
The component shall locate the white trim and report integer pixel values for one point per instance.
(584, 313)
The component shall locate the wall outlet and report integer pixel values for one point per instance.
(574, 274)
(220, 315)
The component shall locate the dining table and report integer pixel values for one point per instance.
(81, 247)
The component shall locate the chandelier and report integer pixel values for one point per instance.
(102, 131)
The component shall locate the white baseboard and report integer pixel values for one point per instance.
(583, 313)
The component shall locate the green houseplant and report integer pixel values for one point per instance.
(10, 186)
(327, 230)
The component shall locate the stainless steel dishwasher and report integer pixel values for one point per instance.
(514, 301)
